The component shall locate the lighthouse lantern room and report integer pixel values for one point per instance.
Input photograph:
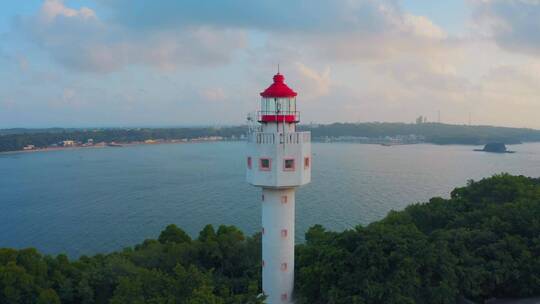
(278, 160)
(278, 103)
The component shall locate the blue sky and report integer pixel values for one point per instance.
(161, 63)
(450, 15)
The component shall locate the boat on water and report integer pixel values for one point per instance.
(113, 144)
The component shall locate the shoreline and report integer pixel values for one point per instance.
(49, 149)
(120, 145)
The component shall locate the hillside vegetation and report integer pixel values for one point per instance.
(481, 243)
(432, 132)
(16, 139)
(10, 141)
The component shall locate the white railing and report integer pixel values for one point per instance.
(281, 138)
(278, 116)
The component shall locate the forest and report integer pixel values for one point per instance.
(483, 242)
(436, 133)
(15, 140)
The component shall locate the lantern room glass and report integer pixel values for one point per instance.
(278, 106)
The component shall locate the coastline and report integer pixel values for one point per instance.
(50, 149)
(100, 145)
(195, 141)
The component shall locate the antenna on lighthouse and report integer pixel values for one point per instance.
(252, 127)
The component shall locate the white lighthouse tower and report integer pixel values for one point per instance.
(278, 161)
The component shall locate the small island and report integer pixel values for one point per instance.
(495, 148)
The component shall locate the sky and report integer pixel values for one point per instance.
(114, 63)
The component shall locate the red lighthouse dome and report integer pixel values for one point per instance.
(278, 89)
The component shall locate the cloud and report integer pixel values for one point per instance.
(423, 27)
(172, 34)
(79, 40)
(514, 24)
(349, 60)
(213, 94)
(315, 84)
(54, 8)
(265, 15)
(332, 30)
(477, 77)
(518, 85)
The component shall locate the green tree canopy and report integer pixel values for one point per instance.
(482, 242)
(173, 234)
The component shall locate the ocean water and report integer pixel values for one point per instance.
(88, 201)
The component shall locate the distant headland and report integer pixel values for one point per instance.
(21, 139)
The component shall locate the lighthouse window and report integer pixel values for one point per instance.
(269, 105)
(306, 162)
(249, 162)
(285, 106)
(284, 297)
(283, 266)
(264, 164)
(283, 199)
(284, 233)
(288, 164)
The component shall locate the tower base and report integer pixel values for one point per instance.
(278, 244)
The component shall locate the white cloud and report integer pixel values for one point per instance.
(514, 24)
(54, 8)
(423, 27)
(315, 84)
(79, 40)
(349, 59)
(167, 37)
(213, 94)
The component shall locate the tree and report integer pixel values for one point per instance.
(173, 234)
(204, 295)
(48, 296)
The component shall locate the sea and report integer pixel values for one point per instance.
(98, 200)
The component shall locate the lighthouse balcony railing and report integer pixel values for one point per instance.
(281, 138)
(278, 116)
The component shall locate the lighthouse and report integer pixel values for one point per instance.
(278, 160)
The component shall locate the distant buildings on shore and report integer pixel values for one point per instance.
(386, 140)
(69, 143)
(421, 120)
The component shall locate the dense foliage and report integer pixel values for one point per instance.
(218, 267)
(433, 132)
(481, 243)
(16, 139)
